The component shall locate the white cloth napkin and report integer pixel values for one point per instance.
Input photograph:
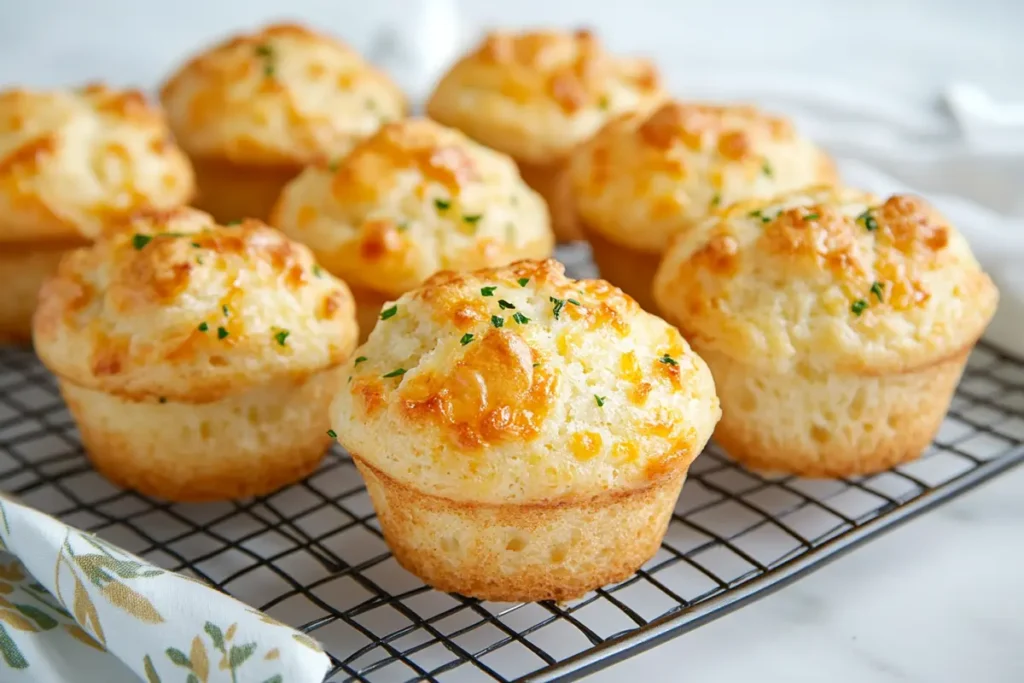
(75, 608)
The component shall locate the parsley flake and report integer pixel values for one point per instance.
(502, 304)
(603, 103)
(389, 312)
(668, 360)
(361, 359)
(221, 333)
(162, 399)
(811, 217)
(472, 219)
(523, 281)
(756, 213)
(397, 372)
(331, 433)
(140, 241)
(858, 306)
(317, 271)
(536, 364)
(466, 338)
(403, 226)
(870, 224)
(197, 245)
(203, 327)
(225, 309)
(442, 204)
(716, 200)
(487, 291)
(497, 321)
(600, 400)
(230, 223)
(877, 289)
(281, 336)
(266, 53)
(520, 318)
(574, 302)
(559, 304)
(333, 165)
(766, 168)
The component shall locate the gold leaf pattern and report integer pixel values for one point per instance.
(17, 621)
(76, 632)
(84, 610)
(125, 598)
(273, 654)
(303, 639)
(200, 663)
(11, 571)
(231, 632)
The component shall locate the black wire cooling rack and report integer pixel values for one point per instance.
(312, 555)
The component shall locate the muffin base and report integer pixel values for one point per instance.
(231, 192)
(23, 269)
(552, 182)
(630, 270)
(521, 553)
(829, 425)
(246, 444)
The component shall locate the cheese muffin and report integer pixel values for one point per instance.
(524, 436)
(254, 110)
(413, 199)
(536, 95)
(643, 178)
(836, 324)
(197, 360)
(72, 162)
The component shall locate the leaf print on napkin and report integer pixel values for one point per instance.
(43, 620)
(76, 632)
(9, 651)
(128, 600)
(200, 662)
(85, 611)
(151, 674)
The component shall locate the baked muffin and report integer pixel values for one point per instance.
(523, 436)
(254, 110)
(413, 199)
(642, 178)
(536, 95)
(71, 162)
(197, 360)
(836, 325)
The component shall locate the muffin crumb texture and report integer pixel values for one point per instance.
(281, 95)
(827, 280)
(177, 307)
(73, 161)
(519, 385)
(413, 199)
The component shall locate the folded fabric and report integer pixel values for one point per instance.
(75, 608)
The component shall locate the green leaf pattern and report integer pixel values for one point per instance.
(98, 596)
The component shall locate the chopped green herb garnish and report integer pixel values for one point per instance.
(876, 289)
(361, 359)
(221, 333)
(523, 281)
(603, 103)
(162, 399)
(668, 360)
(756, 213)
(397, 372)
(559, 304)
(267, 54)
(858, 306)
(140, 241)
(503, 305)
(230, 223)
(197, 245)
(281, 336)
(497, 321)
(268, 70)
(466, 338)
(766, 168)
(520, 318)
(203, 327)
(442, 204)
(600, 400)
(487, 291)
(389, 312)
(317, 271)
(333, 165)
(331, 433)
(868, 220)
(199, 260)
(716, 200)
(811, 217)
(226, 310)
(472, 218)
(536, 364)
(264, 50)
(403, 226)
(574, 302)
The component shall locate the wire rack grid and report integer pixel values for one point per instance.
(312, 555)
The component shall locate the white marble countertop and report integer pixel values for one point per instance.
(938, 600)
